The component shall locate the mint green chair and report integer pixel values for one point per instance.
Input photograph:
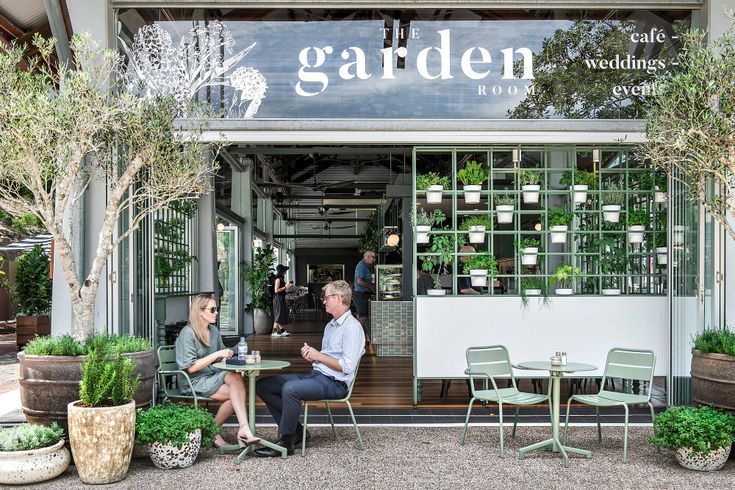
(167, 371)
(346, 401)
(630, 364)
(489, 363)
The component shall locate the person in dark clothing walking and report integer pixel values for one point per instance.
(280, 308)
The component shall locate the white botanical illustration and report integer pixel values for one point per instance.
(202, 59)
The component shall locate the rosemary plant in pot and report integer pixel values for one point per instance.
(423, 221)
(504, 205)
(434, 184)
(612, 202)
(472, 175)
(476, 226)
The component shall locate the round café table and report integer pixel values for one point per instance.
(253, 371)
(556, 373)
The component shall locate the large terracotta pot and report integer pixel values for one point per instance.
(36, 465)
(262, 323)
(49, 383)
(713, 380)
(102, 441)
(29, 327)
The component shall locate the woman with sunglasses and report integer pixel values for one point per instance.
(198, 346)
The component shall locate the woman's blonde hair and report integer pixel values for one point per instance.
(200, 326)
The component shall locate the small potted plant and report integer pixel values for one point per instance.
(479, 266)
(532, 286)
(559, 221)
(659, 242)
(612, 202)
(434, 184)
(530, 185)
(476, 226)
(637, 220)
(563, 277)
(660, 187)
(579, 182)
(32, 453)
(442, 247)
(528, 247)
(701, 437)
(472, 176)
(175, 433)
(423, 221)
(504, 205)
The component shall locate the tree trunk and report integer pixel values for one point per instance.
(83, 309)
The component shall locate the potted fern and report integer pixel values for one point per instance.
(479, 267)
(442, 247)
(612, 202)
(472, 176)
(637, 220)
(476, 226)
(528, 248)
(32, 453)
(563, 278)
(559, 221)
(504, 205)
(530, 185)
(434, 184)
(579, 182)
(423, 221)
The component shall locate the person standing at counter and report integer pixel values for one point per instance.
(364, 287)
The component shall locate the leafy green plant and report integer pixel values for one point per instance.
(107, 379)
(170, 424)
(373, 236)
(27, 437)
(504, 199)
(423, 218)
(66, 345)
(528, 242)
(482, 261)
(703, 429)
(473, 173)
(613, 195)
(579, 177)
(442, 245)
(648, 181)
(637, 217)
(256, 276)
(424, 181)
(475, 220)
(563, 276)
(717, 341)
(612, 261)
(530, 177)
(32, 290)
(559, 217)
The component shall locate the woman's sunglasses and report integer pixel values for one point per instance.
(212, 309)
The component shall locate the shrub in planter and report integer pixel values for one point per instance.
(700, 436)
(175, 433)
(32, 453)
(713, 368)
(476, 226)
(256, 277)
(32, 294)
(472, 176)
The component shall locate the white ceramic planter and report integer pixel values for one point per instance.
(436, 292)
(559, 233)
(477, 234)
(635, 233)
(530, 193)
(611, 213)
(679, 235)
(533, 292)
(564, 291)
(504, 213)
(36, 465)
(579, 193)
(472, 194)
(662, 256)
(422, 233)
(434, 194)
(478, 277)
(659, 196)
(713, 461)
(167, 456)
(611, 291)
(530, 256)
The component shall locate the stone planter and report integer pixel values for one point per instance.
(262, 322)
(611, 213)
(559, 233)
(37, 465)
(102, 441)
(29, 327)
(504, 213)
(579, 193)
(712, 461)
(713, 380)
(434, 194)
(635, 233)
(422, 233)
(478, 277)
(49, 383)
(167, 456)
(529, 256)
(477, 234)
(661, 256)
(530, 193)
(436, 292)
(472, 194)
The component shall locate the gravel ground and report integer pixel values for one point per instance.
(421, 457)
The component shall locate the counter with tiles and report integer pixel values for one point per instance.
(391, 327)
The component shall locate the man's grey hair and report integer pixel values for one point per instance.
(339, 287)
(369, 252)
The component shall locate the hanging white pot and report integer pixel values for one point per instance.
(635, 233)
(564, 291)
(661, 256)
(422, 233)
(436, 292)
(529, 256)
(505, 213)
(611, 291)
(434, 194)
(472, 194)
(659, 196)
(477, 234)
(559, 233)
(611, 213)
(533, 292)
(478, 277)
(579, 193)
(679, 235)
(530, 193)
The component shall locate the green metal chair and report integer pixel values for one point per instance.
(489, 363)
(631, 364)
(346, 401)
(167, 379)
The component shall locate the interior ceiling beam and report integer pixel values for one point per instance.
(317, 235)
(323, 150)
(331, 206)
(8, 26)
(326, 218)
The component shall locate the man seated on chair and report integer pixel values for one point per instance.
(333, 369)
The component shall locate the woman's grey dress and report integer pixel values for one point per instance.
(189, 350)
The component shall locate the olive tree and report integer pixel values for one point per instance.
(62, 128)
(690, 123)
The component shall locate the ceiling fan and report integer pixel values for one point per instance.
(314, 185)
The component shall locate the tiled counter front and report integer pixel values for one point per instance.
(392, 327)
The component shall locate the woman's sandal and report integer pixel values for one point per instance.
(247, 442)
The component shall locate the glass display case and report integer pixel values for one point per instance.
(388, 285)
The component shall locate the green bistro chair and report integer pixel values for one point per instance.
(489, 363)
(346, 401)
(167, 379)
(622, 363)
